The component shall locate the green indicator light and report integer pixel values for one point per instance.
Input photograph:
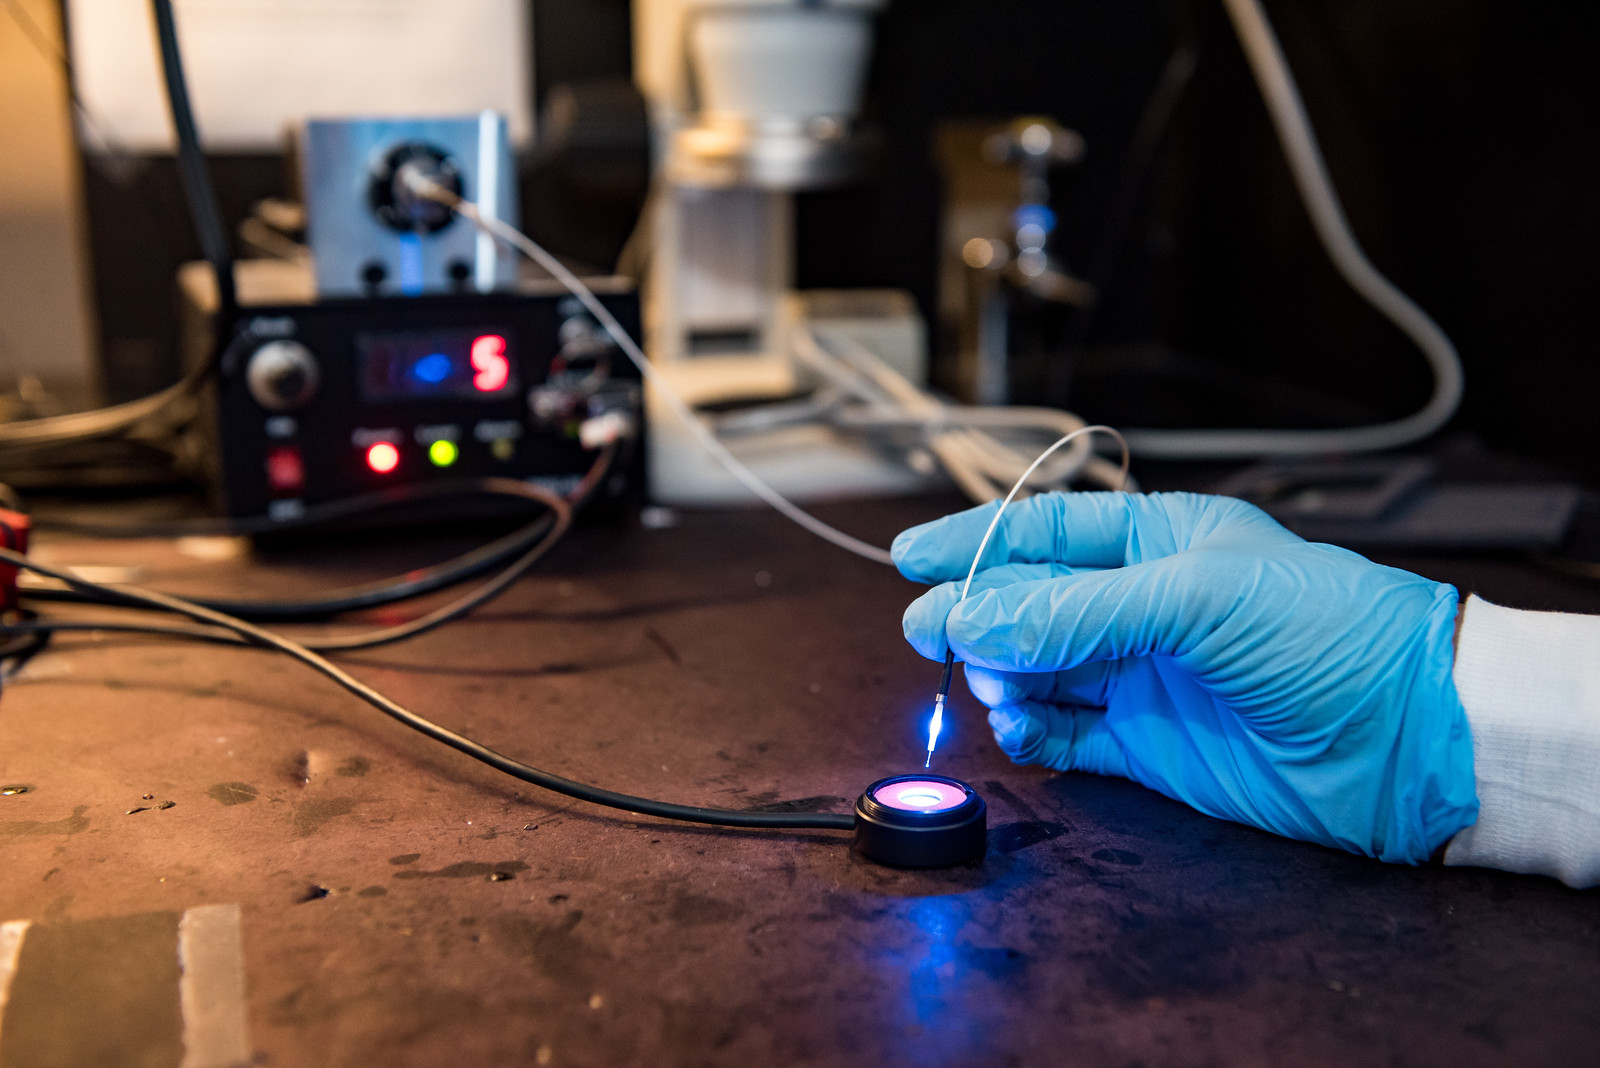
(443, 453)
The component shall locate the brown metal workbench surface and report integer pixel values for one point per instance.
(400, 905)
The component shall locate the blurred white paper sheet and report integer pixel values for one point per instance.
(254, 66)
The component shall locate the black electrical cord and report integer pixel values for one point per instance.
(197, 188)
(516, 769)
(52, 51)
(459, 607)
(543, 534)
(30, 639)
(35, 625)
(369, 595)
(343, 643)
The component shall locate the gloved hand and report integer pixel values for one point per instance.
(1194, 645)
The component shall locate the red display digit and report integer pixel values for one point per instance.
(491, 369)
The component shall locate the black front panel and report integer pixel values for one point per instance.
(423, 389)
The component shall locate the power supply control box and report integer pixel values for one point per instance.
(321, 400)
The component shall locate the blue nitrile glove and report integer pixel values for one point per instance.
(1194, 645)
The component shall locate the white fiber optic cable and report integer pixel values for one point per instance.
(1310, 172)
(973, 458)
(959, 435)
(966, 587)
(936, 722)
(753, 482)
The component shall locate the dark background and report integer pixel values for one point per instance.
(1462, 136)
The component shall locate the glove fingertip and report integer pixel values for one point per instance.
(982, 633)
(925, 644)
(923, 622)
(941, 550)
(909, 553)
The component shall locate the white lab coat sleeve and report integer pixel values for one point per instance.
(1530, 682)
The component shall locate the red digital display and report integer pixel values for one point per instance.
(466, 363)
(491, 369)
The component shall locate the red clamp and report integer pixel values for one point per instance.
(14, 527)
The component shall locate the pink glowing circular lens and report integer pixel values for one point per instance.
(920, 795)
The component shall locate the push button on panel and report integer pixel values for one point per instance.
(286, 470)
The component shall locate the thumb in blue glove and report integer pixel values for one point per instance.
(1194, 645)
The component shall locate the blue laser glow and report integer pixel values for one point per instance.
(935, 725)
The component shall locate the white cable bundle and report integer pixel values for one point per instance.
(965, 440)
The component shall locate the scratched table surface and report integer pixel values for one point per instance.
(397, 904)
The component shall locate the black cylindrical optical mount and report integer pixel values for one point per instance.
(898, 826)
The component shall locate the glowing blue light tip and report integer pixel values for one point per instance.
(935, 724)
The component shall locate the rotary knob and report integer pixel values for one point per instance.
(282, 375)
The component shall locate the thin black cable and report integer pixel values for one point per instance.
(55, 52)
(516, 769)
(371, 639)
(30, 640)
(561, 510)
(40, 40)
(196, 180)
(162, 630)
(455, 609)
(368, 595)
(558, 522)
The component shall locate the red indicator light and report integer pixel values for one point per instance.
(491, 369)
(383, 457)
(286, 471)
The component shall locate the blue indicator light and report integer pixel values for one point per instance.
(432, 368)
(411, 272)
(1034, 215)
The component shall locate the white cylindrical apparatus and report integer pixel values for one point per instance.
(768, 93)
(785, 66)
